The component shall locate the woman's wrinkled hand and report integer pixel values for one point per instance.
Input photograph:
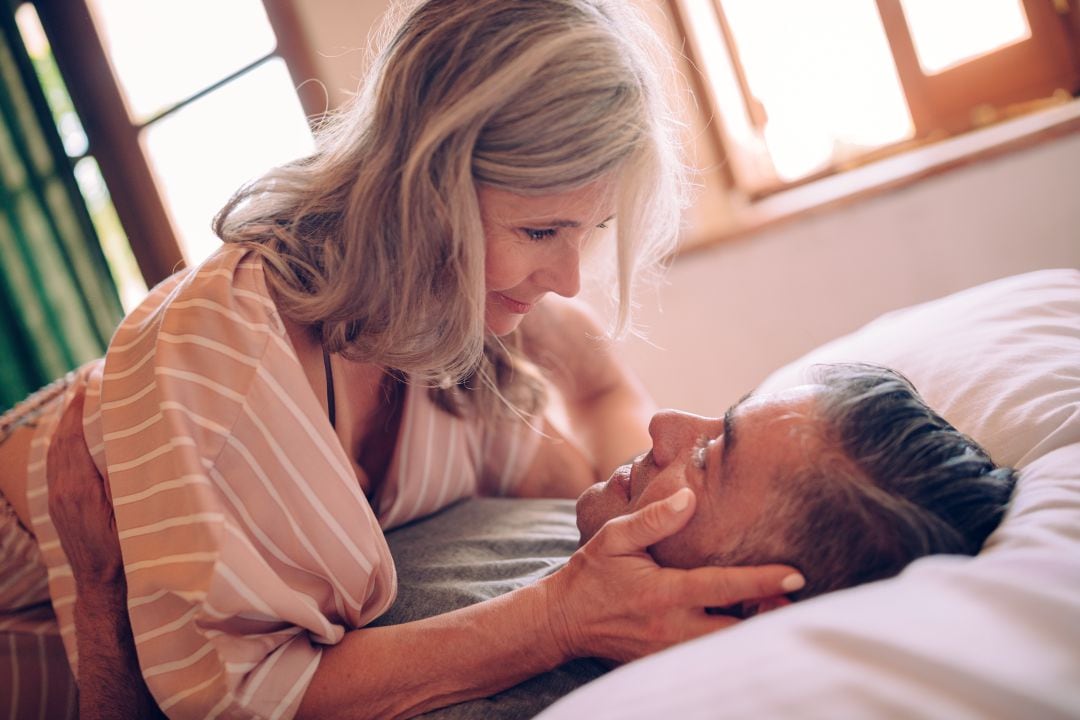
(80, 507)
(613, 601)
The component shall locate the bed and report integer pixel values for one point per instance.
(997, 635)
(993, 636)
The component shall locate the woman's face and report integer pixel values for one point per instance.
(533, 246)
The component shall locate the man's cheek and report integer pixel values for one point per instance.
(677, 551)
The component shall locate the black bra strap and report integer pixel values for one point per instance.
(329, 388)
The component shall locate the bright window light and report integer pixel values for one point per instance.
(163, 52)
(825, 76)
(947, 33)
(205, 151)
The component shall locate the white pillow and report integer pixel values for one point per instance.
(993, 636)
(1000, 361)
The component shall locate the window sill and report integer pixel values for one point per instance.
(877, 178)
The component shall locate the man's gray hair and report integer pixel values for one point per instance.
(902, 483)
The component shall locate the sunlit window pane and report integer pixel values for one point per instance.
(825, 76)
(163, 52)
(950, 32)
(203, 153)
(745, 150)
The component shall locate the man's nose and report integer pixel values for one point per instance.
(673, 434)
(563, 274)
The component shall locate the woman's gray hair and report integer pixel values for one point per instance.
(895, 482)
(376, 239)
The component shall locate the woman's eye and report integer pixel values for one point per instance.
(538, 233)
(603, 226)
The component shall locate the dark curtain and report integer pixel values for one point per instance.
(58, 303)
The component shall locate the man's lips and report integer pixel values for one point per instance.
(515, 306)
(621, 477)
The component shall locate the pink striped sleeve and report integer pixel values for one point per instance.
(247, 541)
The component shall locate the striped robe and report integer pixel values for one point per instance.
(35, 680)
(248, 543)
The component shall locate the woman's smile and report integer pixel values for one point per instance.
(514, 306)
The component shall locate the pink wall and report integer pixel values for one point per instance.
(729, 315)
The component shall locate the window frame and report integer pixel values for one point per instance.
(942, 105)
(113, 136)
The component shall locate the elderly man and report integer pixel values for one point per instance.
(848, 479)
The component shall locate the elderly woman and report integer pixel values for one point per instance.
(374, 341)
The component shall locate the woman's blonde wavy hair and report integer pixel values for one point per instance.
(375, 240)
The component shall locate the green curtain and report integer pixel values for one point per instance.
(58, 303)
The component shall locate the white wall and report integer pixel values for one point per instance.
(731, 314)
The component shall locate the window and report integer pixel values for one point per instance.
(114, 245)
(181, 104)
(802, 90)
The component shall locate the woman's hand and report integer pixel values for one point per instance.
(613, 601)
(80, 507)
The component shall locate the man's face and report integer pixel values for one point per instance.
(730, 463)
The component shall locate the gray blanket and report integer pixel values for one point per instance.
(476, 550)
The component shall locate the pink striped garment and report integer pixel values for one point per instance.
(35, 680)
(248, 544)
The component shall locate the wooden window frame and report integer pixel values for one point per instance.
(1021, 72)
(114, 138)
(954, 101)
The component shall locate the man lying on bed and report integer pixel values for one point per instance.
(848, 479)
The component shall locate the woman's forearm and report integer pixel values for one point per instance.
(610, 601)
(404, 670)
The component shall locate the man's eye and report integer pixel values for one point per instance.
(538, 233)
(700, 450)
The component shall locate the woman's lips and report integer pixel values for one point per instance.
(514, 306)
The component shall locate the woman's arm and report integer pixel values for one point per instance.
(110, 684)
(610, 601)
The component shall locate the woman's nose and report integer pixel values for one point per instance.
(673, 434)
(563, 275)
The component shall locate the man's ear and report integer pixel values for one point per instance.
(750, 608)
